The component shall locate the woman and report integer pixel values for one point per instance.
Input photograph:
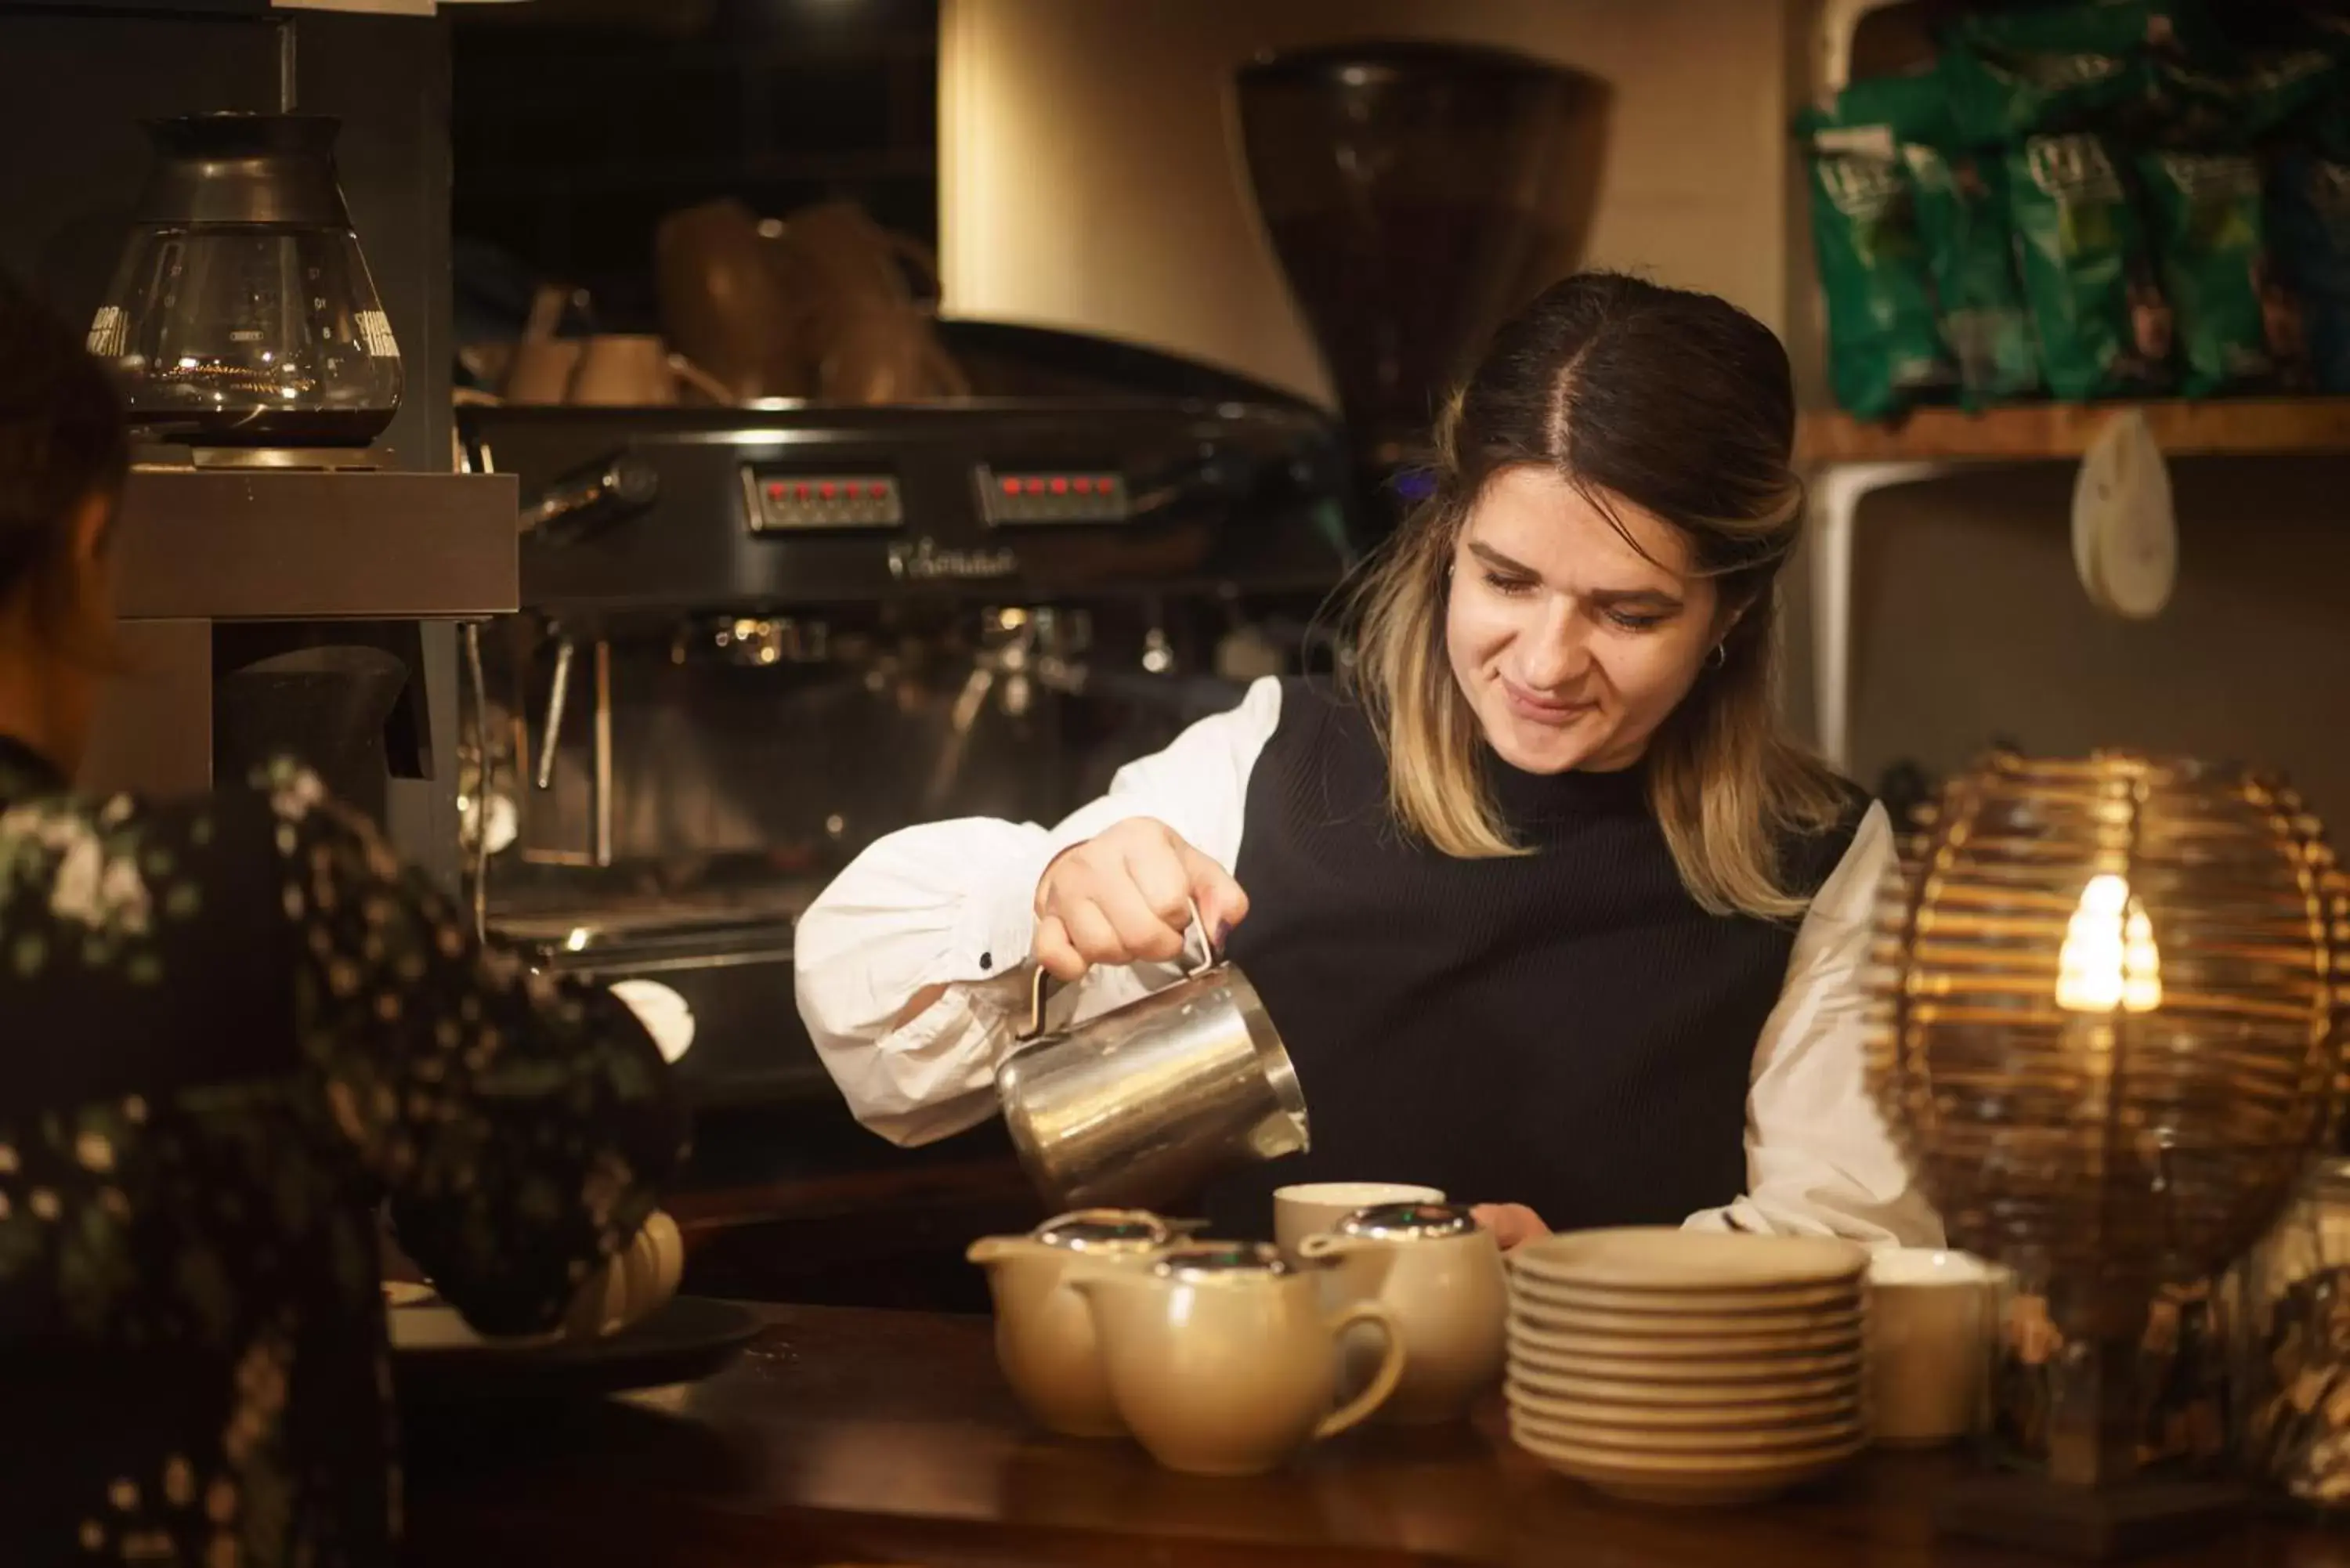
(1548, 912)
(232, 1026)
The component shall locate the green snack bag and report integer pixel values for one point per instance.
(1961, 202)
(1915, 106)
(1997, 97)
(2097, 27)
(2309, 238)
(1884, 351)
(2104, 326)
(2209, 232)
(2328, 128)
(2218, 110)
(2275, 90)
(2311, 27)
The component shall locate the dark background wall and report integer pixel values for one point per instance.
(578, 123)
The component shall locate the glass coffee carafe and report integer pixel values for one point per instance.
(242, 314)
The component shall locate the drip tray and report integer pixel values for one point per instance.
(671, 923)
(728, 955)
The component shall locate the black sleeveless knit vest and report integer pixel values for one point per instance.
(1565, 1029)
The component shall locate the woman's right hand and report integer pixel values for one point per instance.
(1123, 896)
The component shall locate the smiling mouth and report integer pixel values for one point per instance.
(1542, 710)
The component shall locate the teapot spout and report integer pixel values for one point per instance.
(990, 1251)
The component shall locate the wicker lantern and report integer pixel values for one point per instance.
(2109, 1009)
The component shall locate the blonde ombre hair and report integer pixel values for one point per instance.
(1683, 406)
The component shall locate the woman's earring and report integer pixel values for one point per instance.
(1720, 654)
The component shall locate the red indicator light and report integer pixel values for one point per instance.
(826, 489)
(1010, 487)
(776, 489)
(1035, 487)
(1107, 483)
(801, 491)
(1060, 487)
(1085, 486)
(877, 491)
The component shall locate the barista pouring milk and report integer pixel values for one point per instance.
(1549, 913)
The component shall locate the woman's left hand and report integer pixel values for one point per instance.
(1512, 1224)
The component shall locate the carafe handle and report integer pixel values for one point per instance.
(1383, 1382)
(1042, 986)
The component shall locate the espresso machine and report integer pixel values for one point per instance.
(756, 639)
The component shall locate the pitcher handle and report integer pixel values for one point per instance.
(1042, 985)
(1383, 1382)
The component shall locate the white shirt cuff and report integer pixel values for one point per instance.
(997, 927)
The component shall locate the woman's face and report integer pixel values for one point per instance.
(1571, 646)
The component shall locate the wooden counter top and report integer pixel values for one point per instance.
(853, 1435)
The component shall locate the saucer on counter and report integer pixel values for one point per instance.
(1688, 1367)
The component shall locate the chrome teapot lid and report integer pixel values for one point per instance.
(1408, 1221)
(1226, 1261)
(1104, 1230)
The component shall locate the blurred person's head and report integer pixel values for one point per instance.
(63, 454)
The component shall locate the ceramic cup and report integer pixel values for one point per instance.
(656, 1266)
(1318, 1206)
(635, 1282)
(1929, 1343)
(541, 370)
(624, 370)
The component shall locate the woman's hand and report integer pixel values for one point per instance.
(1123, 896)
(1512, 1224)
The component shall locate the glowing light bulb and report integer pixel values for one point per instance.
(2109, 959)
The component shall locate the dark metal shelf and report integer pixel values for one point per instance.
(267, 545)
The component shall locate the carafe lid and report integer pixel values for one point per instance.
(1408, 1221)
(1225, 1260)
(1104, 1230)
(233, 168)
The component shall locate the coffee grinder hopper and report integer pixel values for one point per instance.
(1415, 193)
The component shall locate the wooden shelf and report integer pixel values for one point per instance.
(2269, 427)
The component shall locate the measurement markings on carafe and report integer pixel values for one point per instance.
(776, 503)
(1050, 496)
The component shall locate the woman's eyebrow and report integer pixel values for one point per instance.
(1653, 598)
(1648, 598)
(1500, 563)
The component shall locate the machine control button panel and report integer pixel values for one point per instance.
(784, 503)
(1051, 496)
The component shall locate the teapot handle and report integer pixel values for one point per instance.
(1043, 985)
(1383, 1382)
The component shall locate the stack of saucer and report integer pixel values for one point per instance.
(1688, 1367)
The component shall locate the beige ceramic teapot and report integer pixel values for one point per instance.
(1043, 1332)
(1221, 1360)
(1440, 1273)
